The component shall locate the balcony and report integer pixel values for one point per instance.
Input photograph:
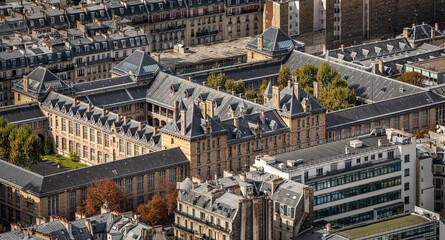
(206, 33)
(210, 224)
(169, 28)
(99, 61)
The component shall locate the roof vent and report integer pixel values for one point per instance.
(356, 143)
(282, 166)
(293, 163)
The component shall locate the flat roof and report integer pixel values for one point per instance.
(203, 53)
(332, 150)
(436, 65)
(382, 227)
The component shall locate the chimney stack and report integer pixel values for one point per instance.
(190, 79)
(342, 47)
(381, 66)
(316, 90)
(436, 26)
(433, 33)
(260, 42)
(183, 122)
(324, 48)
(297, 89)
(379, 142)
(89, 107)
(236, 121)
(276, 97)
(125, 120)
(25, 83)
(405, 32)
(289, 84)
(155, 130)
(210, 108)
(262, 117)
(157, 58)
(346, 150)
(175, 111)
(74, 101)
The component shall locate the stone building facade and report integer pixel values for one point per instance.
(252, 205)
(26, 196)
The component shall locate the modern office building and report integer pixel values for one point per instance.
(359, 179)
(420, 224)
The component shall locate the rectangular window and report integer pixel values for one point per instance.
(151, 180)
(136, 150)
(70, 127)
(406, 157)
(407, 172)
(173, 175)
(140, 183)
(99, 137)
(128, 148)
(85, 132)
(121, 146)
(77, 129)
(406, 186)
(85, 152)
(129, 184)
(93, 154)
(92, 135)
(107, 140)
(73, 199)
(63, 125)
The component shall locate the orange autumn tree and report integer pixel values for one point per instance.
(170, 196)
(104, 191)
(154, 212)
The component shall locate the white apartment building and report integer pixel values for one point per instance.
(367, 178)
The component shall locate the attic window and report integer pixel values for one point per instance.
(161, 5)
(188, 92)
(174, 87)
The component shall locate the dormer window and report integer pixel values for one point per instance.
(102, 13)
(121, 10)
(87, 48)
(42, 22)
(161, 5)
(82, 16)
(62, 19)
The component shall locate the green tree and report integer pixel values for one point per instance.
(326, 74)
(32, 150)
(217, 80)
(250, 95)
(413, 78)
(18, 139)
(47, 147)
(284, 76)
(237, 86)
(6, 129)
(307, 74)
(261, 90)
(337, 98)
(74, 157)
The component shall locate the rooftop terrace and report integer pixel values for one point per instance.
(385, 226)
(204, 53)
(436, 65)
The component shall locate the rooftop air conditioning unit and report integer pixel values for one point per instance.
(356, 143)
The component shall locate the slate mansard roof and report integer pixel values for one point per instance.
(366, 85)
(43, 185)
(130, 129)
(41, 81)
(292, 105)
(275, 42)
(138, 65)
(22, 113)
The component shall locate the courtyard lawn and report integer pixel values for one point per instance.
(66, 162)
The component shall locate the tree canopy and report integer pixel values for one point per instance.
(334, 93)
(413, 78)
(284, 76)
(19, 145)
(154, 212)
(103, 191)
